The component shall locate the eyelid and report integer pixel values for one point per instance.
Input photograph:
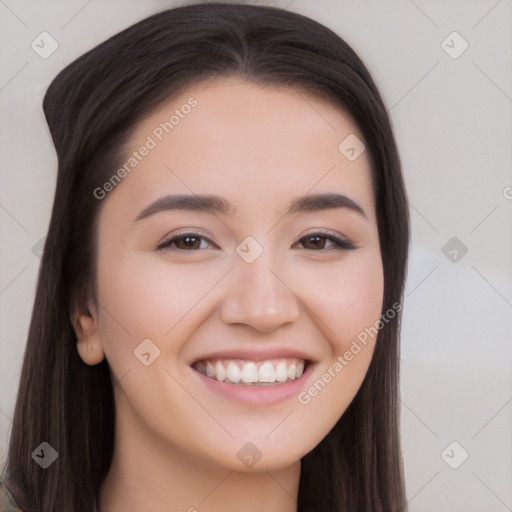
(340, 241)
(343, 242)
(168, 238)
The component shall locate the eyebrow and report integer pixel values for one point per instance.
(215, 204)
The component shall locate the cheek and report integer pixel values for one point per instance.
(147, 298)
(348, 305)
(346, 298)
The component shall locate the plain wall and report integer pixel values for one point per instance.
(452, 116)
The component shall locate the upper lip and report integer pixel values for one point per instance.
(257, 355)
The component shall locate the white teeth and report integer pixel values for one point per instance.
(220, 371)
(291, 371)
(233, 372)
(281, 372)
(250, 373)
(264, 373)
(300, 369)
(210, 370)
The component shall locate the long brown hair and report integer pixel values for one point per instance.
(92, 107)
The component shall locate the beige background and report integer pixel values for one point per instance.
(452, 118)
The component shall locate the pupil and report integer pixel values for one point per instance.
(315, 239)
(189, 240)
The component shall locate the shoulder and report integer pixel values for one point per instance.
(7, 503)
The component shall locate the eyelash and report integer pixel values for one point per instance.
(341, 243)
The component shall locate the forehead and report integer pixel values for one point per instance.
(247, 142)
(232, 108)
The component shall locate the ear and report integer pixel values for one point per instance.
(85, 324)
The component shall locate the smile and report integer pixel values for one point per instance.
(272, 372)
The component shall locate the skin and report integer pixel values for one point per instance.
(259, 147)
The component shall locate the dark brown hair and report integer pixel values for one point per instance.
(92, 107)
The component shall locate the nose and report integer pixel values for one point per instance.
(259, 297)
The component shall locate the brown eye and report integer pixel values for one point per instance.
(314, 242)
(317, 241)
(183, 242)
(191, 242)
(187, 242)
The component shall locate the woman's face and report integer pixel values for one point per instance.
(217, 254)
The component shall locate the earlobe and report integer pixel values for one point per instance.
(91, 352)
(88, 344)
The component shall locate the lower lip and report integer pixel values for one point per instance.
(257, 395)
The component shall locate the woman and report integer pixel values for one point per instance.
(216, 321)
